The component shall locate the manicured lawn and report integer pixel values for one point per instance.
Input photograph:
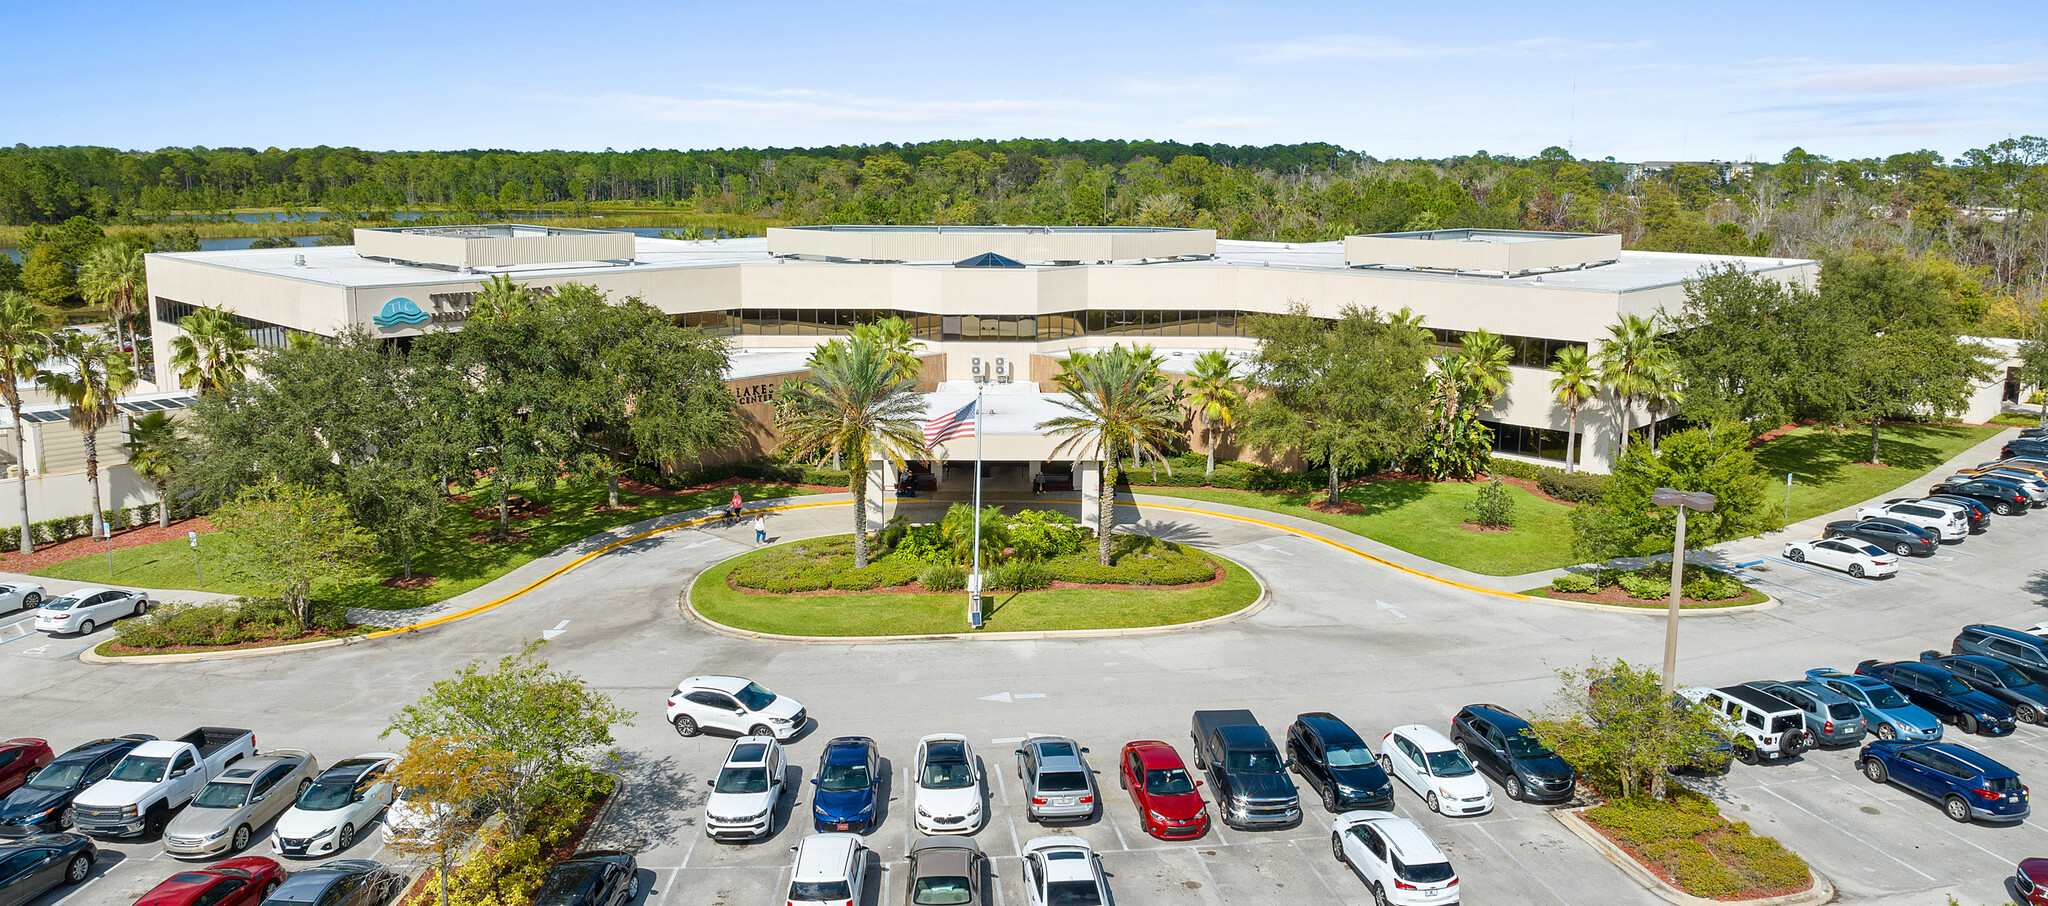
(459, 564)
(1007, 611)
(1826, 466)
(1422, 518)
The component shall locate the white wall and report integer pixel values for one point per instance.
(68, 494)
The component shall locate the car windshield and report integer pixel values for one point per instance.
(60, 603)
(755, 697)
(1885, 697)
(1073, 893)
(140, 770)
(941, 891)
(327, 795)
(1524, 746)
(743, 780)
(222, 795)
(843, 778)
(59, 776)
(819, 890)
(1062, 782)
(1254, 762)
(1349, 756)
(1423, 873)
(947, 775)
(1168, 782)
(1448, 763)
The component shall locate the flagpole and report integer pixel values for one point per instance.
(977, 489)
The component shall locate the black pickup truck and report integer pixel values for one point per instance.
(1246, 773)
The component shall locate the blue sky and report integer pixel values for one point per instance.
(1632, 81)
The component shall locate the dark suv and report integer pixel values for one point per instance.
(1337, 764)
(1500, 743)
(1946, 697)
(2025, 651)
(2004, 498)
(2031, 449)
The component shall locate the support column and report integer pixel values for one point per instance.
(881, 493)
(1088, 479)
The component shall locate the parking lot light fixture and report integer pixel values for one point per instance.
(1682, 500)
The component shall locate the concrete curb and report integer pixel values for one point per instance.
(92, 655)
(1822, 891)
(690, 611)
(1660, 611)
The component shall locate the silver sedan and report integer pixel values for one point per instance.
(229, 811)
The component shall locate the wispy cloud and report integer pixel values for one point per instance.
(1916, 78)
(1317, 48)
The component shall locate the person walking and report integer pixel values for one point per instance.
(760, 529)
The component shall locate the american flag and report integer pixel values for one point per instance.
(957, 423)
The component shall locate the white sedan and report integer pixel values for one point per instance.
(1435, 770)
(948, 797)
(1857, 558)
(1063, 871)
(89, 608)
(1397, 861)
(20, 596)
(341, 802)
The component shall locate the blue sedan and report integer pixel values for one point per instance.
(849, 785)
(1966, 783)
(1885, 711)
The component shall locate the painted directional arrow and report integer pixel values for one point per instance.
(558, 630)
(1396, 611)
(1267, 547)
(1007, 697)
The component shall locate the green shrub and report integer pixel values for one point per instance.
(229, 623)
(1640, 821)
(1707, 856)
(885, 573)
(2018, 419)
(1761, 861)
(1646, 588)
(1575, 583)
(1513, 469)
(1044, 534)
(1714, 588)
(1493, 506)
(1577, 487)
(1021, 575)
(943, 577)
(1137, 560)
(1701, 874)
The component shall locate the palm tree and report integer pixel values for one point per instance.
(93, 375)
(154, 451)
(24, 343)
(1119, 401)
(1576, 383)
(1212, 393)
(854, 402)
(115, 276)
(1663, 389)
(1625, 361)
(1485, 374)
(892, 335)
(211, 351)
(497, 297)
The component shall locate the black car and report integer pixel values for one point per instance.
(1979, 514)
(1996, 678)
(44, 802)
(32, 863)
(2004, 498)
(1947, 698)
(1902, 538)
(343, 882)
(1499, 742)
(1337, 764)
(2022, 447)
(600, 877)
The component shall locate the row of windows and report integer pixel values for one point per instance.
(263, 333)
(793, 322)
(1529, 352)
(1539, 442)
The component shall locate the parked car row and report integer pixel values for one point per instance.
(1871, 545)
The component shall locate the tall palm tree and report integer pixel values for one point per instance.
(154, 451)
(1663, 389)
(497, 297)
(1625, 360)
(212, 350)
(1576, 383)
(893, 336)
(24, 343)
(1119, 401)
(855, 402)
(1212, 392)
(1485, 374)
(115, 276)
(93, 375)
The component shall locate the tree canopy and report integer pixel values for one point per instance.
(1349, 393)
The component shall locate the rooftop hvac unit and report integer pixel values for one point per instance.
(298, 261)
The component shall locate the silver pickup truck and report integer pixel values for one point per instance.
(156, 779)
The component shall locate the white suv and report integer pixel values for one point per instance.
(1397, 861)
(749, 786)
(733, 704)
(830, 870)
(1944, 519)
(1764, 726)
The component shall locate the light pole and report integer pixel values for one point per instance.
(1683, 500)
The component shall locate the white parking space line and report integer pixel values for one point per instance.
(1860, 788)
(662, 896)
(1206, 873)
(1004, 787)
(1311, 860)
(1856, 837)
(690, 850)
(1111, 821)
(1518, 864)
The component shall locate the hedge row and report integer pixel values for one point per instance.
(763, 469)
(820, 564)
(1189, 471)
(1577, 487)
(230, 623)
(1136, 560)
(827, 563)
(52, 531)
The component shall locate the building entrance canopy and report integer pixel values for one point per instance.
(1010, 417)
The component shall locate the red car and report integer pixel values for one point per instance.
(236, 882)
(18, 759)
(2032, 881)
(1164, 791)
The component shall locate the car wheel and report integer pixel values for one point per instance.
(1903, 550)
(1330, 797)
(1430, 800)
(633, 888)
(1379, 895)
(1796, 555)
(31, 601)
(269, 887)
(85, 628)
(1514, 788)
(241, 841)
(1856, 569)
(2002, 509)
(1386, 764)
(1337, 848)
(1887, 731)
(346, 838)
(141, 607)
(1956, 809)
(1875, 770)
(303, 786)
(2028, 714)
(686, 725)
(1966, 723)
(64, 819)
(81, 865)
(760, 730)
(1747, 753)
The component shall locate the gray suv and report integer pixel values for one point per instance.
(1057, 783)
(2025, 651)
(1831, 717)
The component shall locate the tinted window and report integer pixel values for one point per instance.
(1243, 762)
(1843, 710)
(742, 780)
(218, 892)
(755, 697)
(19, 862)
(1168, 782)
(1073, 893)
(1062, 782)
(1522, 745)
(819, 890)
(1425, 873)
(1371, 840)
(272, 777)
(840, 778)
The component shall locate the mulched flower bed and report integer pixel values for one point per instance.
(516, 508)
(1664, 873)
(916, 589)
(53, 554)
(1614, 594)
(314, 636)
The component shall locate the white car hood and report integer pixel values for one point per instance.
(1466, 787)
(949, 803)
(116, 792)
(298, 824)
(783, 706)
(737, 805)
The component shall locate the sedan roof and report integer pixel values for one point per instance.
(1153, 753)
(1426, 737)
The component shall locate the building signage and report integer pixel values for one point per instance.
(756, 393)
(454, 308)
(400, 312)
